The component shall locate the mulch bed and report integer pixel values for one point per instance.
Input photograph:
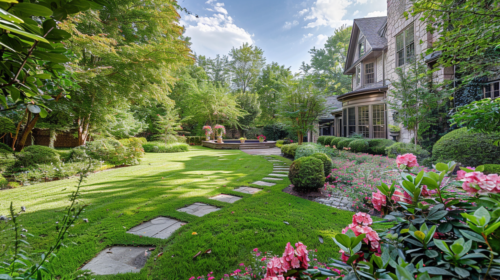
(311, 195)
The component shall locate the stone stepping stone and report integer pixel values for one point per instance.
(226, 198)
(198, 209)
(160, 227)
(248, 190)
(277, 175)
(262, 183)
(274, 171)
(282, 168)
(119, 259)
(275, 160)
(272, 179)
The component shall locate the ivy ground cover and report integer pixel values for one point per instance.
(122, 198)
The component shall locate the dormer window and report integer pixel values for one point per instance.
(361, 46)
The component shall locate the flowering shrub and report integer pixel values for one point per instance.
(435, 234)
(208, 130)
(261, 137)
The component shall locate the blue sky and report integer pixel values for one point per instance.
(285, 29)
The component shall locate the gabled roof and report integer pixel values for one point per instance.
(332, 104)
(372, 28)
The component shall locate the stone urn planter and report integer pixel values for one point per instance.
(219, 140)
(394, 135)
(207, 138)
(242, 141)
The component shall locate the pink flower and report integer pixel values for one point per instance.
(379, 200)
(362, 219)
(408, 160)
(263, 259)
(461, 174)
(211, 278)
(289, 252)
(295, 263)
(256, 249)
(192, 278)
(242, 264)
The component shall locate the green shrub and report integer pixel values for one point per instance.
(359, 146)
(7, 160)
(5, 147)
(289, 149)
(329, 139)
(280, 143)
(77, 154)
(64, 154)
(335, 141)
(400, 148)
(3, 182)
(377, 146)
(33, 155)
(194, 140)
(321, 140)
(160, 147)
(142, 140)
(307, 173)
(123, 152)
(327, 162)
(344, 143)
(306, 149)
(492, 168)
(467, 148)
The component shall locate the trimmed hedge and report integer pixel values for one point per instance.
(3, 182)
(344, 143)
(378, 146)
(329, 140)
(160, 147)
(64, 154)
(33, 155)
(467, 148)
(280, 143)
(359, 146)
(335, 141)
(400, 148)
(321, 140)
(194, 140)
(289, 149)
(306, 149)
(492, 168)
(307, 173)
(327, 162)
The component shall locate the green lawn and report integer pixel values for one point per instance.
(122, 198)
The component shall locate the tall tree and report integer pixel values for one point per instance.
(301, 104)
(216, 68)
(126, 53)
(468, 34)
(250, 103)
(269, 87)
(327, 64)
(246, 63)
(414, 97)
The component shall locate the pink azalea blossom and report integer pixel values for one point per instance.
(362, 219)
(408, 160)
(379, 200)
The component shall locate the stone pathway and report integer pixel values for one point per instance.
(263, 152)
(272, 179)
(119, 259)
(343, 203)
(247, 190)
(160, 227)
(226, 198)
(278, 175)
(264, 184)
(199, 209)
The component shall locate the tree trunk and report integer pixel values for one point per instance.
(301, 138)
(26, 132)
(52, 137)
(83, 131)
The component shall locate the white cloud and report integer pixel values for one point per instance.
(218, 8)
(306, 36)
(216, 34)
(321, 40)
(355, 13)
(377, 14)
(289, 25)
(302, 12)
(361, 1)
(328, 13)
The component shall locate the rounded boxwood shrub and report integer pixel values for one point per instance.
(377, 146)
(5, 148)
(400, 148)
(467, 148)
(327, 162)
(33, 155)
(359, 146)
(306, 149)
(321, 140)
(289, 149)
(329, 140)
(336, 140)
(492, 168)
(307, 173)
(344, 143)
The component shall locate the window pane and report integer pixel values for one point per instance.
(358, 75)
(487, 91)
(344, 121)
(410, 51)
(496, 89)
(400, 57)
(378, 120)
(400, 42)
(351, 121)
(409, 34)
(364, 121)
(370, 73)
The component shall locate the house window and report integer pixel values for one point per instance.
(405, 46)
(369, 73)
(351, 121)
(364, 121)
(378, 120)
(492, 90)
(358, 75)
(361, 47)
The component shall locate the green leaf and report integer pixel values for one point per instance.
(3, 100)
(53, 57)
(403, 273)
(33, 9)
(480, 168)
(443, 246)
(482, 212)
(343, 239)
(23, 33)
(435, 270)
(462, 272)
(491, 228)
(438, 215)
(43, 76)
(10, 17)
(431, 253)
(352, 259)
(43, 113)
